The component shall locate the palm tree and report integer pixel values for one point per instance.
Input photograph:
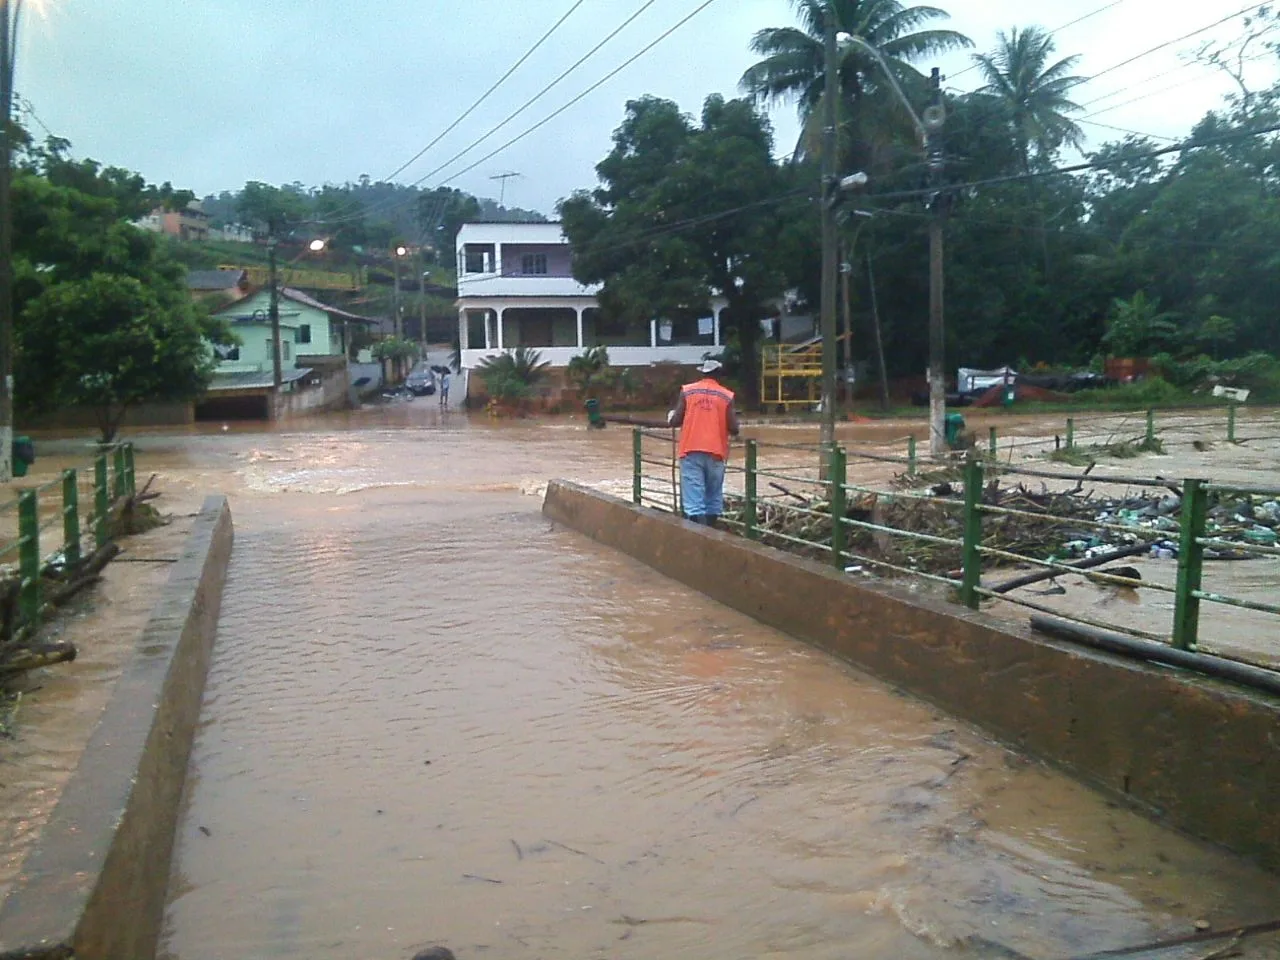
(793, 64)
(1035, 95)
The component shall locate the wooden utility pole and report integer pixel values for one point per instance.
(830, 96)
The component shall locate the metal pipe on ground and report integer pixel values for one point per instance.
(1220, 668)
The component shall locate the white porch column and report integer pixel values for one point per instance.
(581, 341)
(488, 332)
(464, 331)
(716, 328)
(653, 334)
(498, 313)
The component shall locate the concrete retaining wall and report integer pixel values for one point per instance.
(1204, 755)
(94, 885)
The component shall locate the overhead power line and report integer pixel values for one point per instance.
(555, 113)
(485, 96)
(527, 104)
(346, 212)
(1054, 32)
(1169, 43)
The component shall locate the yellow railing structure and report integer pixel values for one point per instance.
(303, 279)
(790, 374)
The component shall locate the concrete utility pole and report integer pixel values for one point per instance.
(396, 321)
(830, 120)
(10, 14)
(273, 310)
(422, 302)
(934, 118)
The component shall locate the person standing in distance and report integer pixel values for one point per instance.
(444, 388)
(706, 418)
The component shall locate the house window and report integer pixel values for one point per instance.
(285, 346)
(478, 258)
(304, 333)
(533, 263)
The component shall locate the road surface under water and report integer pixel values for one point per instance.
(434, 718)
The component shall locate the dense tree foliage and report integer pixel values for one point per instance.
(103, 316)
(1166, 253)
(646, 232)
(361, 215)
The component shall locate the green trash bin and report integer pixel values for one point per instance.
(594, 419)
(954, 427)
(24, 454)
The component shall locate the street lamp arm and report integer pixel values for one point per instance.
(893, 81)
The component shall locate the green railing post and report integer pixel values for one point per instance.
(911, 456)
(1151, 428)
(117, 484)
(130, 472)
(1071, 432)
(29, 557)
(971, 558)
(1231, 423)
(991, 442)
(1186, 609)
(101, 499)
(70, 518)
(837, 500)
(637, 441)
(749, 518)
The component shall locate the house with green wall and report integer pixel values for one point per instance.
(307, 328)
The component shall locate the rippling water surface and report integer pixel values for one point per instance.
(433, 718)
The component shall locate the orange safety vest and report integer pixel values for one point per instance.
(706, 419)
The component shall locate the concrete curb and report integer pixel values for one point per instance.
(94, 885)
(1199, 753)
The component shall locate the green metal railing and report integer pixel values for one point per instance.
(812, 485)
(114, 477)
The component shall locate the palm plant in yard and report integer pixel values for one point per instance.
(1035, 94)
(793, 64)
(511, 376)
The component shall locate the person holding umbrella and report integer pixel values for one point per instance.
(705, 415)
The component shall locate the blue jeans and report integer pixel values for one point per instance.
(702, 485)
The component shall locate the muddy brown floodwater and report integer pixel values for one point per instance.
(433, 718)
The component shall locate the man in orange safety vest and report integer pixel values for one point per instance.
(706, 418)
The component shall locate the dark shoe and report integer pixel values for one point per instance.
(699, 518)
(710, 520)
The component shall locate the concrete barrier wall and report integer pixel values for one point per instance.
(1203, 755)
(93, 887)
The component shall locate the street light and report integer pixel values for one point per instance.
(316, 245)
(928, 127)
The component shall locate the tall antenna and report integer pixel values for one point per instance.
(504, 177)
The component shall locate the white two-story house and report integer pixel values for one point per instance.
(516, 289)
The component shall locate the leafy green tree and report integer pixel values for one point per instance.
(1034, 92)
(793, 64)
(110, 343)
(1138, 327)
(103, 314)
(511, 376)
(278, 208)
(687, 212)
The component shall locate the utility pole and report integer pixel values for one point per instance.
(934, 118)
(422, 301)
(831, 96)
(846, 332)
(273, 309)
(396, 322)
(10, 12)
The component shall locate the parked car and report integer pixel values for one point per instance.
(421, 383)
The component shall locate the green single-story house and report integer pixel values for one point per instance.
(244, 380)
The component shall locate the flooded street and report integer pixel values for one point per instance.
(432, 718)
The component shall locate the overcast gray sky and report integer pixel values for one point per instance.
(211, 93)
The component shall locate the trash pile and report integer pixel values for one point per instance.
(1048, 525)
